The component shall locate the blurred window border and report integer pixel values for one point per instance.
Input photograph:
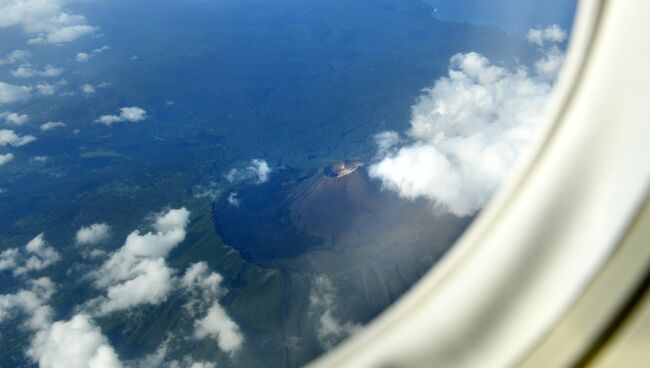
(510, 292)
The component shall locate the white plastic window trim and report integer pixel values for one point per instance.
(521, 265)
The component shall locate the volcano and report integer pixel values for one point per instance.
(335, 210)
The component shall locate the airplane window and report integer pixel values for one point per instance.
(247, 183)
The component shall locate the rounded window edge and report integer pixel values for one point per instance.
(449, 316)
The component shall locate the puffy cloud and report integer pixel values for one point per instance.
(52, 125)
(132, 114)
(172, 221)
(9, 259)
(549, 65)
(202, 365)
(329, 329)
(551, 34)
(101, 49)
(137, 273)
(37, 256)
(203, 286)
(10, 138)
(40, 256)
(261, 170)
(210, 191)
(93, 234)
(14, 118)
(218, 325)
(47, 89)
(77, 343)
(14, 57)
(10, 93)
(6, 158)
(31, 302)
(65, 34)
(386, 141)
(258, 170)
(74, 343)
(109, 119)
(28, 71)
(83, 57)
(87, 89)
(148, 282)
(159, 359)
(44, 20)
(233, 200)
(467, 130)
(205, 289)
(199, 278)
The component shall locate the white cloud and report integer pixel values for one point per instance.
(261, 169)
(77, 343)
(549, 65)
(9, 137)
(205, 290)
(93, 234)
(201, 365)
(28, 71)
(9, 259)
(52, 125)
(155, 359)
(14, 118)
(132, 114)
(87, 89)
(6, 158)
(10, 93)
(233, 200)
(203, 286)
(39, 159)
(46, 89)
(31, 302)
(65, 34)
(82, 57)
(43, 20)
(258, 170)
(40, 256)
(551, 34)
(198, 278)
(14, 57)
(329, 329)
(37, 256)
(386, 142)
(210, 191)
(148, 282)
(109, 119)
(467, 130)
(101, 49)
(218, 325)
(51, 71)
(159, 359)
(137, 273)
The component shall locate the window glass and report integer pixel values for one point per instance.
(195, 183)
